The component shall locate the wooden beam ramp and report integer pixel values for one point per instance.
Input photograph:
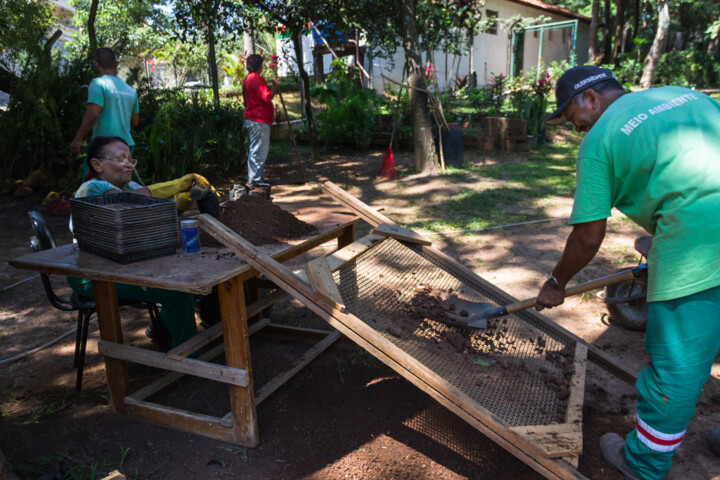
(550, 448)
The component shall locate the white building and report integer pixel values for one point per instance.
(493, 51)
(63, 14)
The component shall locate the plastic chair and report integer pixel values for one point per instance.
(85, 306)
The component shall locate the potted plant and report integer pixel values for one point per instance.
(538, 108)
(506, 132)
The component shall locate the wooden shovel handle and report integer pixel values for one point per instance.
(580, 288)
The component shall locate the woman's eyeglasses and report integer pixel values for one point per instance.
(122, 160)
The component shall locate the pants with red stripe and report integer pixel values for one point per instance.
(682, 339)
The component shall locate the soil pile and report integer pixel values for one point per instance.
(260, 222)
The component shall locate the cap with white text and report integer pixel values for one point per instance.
(572, 82)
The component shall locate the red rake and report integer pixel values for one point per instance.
(387, 169)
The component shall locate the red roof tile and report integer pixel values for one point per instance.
(553, 9)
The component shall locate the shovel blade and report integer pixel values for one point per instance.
(477, 322)
(464, 308)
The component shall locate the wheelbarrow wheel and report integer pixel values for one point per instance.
(627, 303)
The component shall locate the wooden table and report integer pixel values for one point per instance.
(239, 294)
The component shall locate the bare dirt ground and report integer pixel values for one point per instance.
(344, 416)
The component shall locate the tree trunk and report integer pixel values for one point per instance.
(92, 38)
(425, 157)
(594, 21)
(681, 40)
(653, 56)
(636, 21)
(212, 67)
(619, 30)
(471, 82)
(607, 34)
(297, 44)
(249, 41)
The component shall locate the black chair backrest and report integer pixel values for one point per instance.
(42, 231)
(43, 240)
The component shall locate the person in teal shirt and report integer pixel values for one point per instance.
(112, 106)
(655, 156)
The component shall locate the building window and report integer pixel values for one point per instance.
(535, 34)
(550, 35)
(492, 24)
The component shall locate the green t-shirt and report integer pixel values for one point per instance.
(655, 156)
(118, 101)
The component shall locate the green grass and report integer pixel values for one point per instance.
(503, 193)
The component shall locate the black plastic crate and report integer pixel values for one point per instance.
(125, 227)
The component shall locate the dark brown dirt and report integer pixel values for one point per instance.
(259, 222)
(428, 303)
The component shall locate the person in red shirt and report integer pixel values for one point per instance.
(259, 113)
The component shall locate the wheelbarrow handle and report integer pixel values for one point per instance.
(639, 271)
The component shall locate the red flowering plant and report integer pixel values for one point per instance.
(538, 108)
(429, 72)
(543, 86)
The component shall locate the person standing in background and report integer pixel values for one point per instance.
(112, 106)
(259, 113)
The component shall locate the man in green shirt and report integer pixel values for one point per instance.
(655, 156)
(112, 106)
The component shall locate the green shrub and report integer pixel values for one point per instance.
(42, 117)
(350, 110)
(180, 136)
(629, 70)
(687, 68)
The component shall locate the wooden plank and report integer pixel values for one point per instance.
(371, 340)
(347, 237)
(177, 419)
(215, 332)
(189, 366)
(352, 251)
(237, 354)
(573, 414)
(111, 331)
(195, 343)
(321, 280)
(359, 208)
(401, 234)
(170, 378)
(294, 251)
(306, 358)
(555, 440)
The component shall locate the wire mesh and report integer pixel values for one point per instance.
(378, 287)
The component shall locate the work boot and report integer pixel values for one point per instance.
(612, 447)
(713, 440)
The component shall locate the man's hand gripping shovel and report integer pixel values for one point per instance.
(463, 313)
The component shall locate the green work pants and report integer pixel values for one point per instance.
(682, 339)
(177, 310)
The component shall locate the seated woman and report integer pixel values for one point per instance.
(111, 167)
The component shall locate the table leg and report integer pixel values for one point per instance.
(111, 330)
(252, 294)
(237, 354)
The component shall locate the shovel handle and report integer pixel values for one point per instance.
(618, 277)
